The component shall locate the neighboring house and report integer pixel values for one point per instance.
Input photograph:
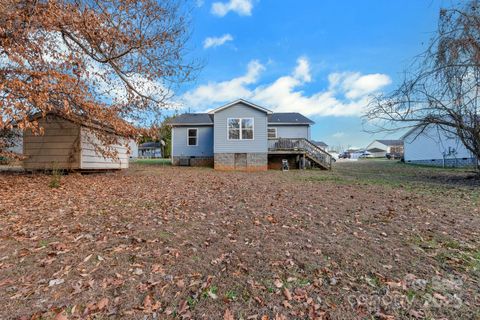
(322, 145)
(434, 146)
(69, 145)
(380, 148)
(17, 142)
(334, 154)
(133, 146)
(244, 136)
(150, 150)
(355, 154)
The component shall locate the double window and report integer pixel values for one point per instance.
(240, 128)
(192, 137)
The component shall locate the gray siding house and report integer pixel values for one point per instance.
(244, 136)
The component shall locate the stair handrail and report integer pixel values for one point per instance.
(316, 153)
(326, 157)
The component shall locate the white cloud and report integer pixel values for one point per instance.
(302, 71)
(347, 94)
(241, 7)
(355, 85)
(215, 92)
(216, 41)
(338, 135)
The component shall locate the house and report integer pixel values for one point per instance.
(322, 145)
(436, 147)
(16, 142)
(150, 150)
(244, 136)
(133, 148)
(68, 145)
(380, 148)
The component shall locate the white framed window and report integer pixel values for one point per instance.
(272, 133)
(192, 137)
(240, 128)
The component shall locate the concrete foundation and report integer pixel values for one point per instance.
(241, 161)
(194, 161)
(460, 162)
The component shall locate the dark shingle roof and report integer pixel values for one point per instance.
(320, 143)
(149, 145)
(391, 142)
(205, 118)
(192, 118)
(289, 117)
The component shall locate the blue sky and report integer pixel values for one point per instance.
(323, 58)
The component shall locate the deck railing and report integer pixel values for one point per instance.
(312, 151)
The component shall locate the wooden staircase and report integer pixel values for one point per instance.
(316, 155)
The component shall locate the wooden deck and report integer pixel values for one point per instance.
(301, 146)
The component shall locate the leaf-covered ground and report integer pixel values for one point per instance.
(365, 241)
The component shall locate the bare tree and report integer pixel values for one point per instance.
(443, 86)
(102, 61)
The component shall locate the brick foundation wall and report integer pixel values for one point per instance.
(195, 161)
(461, 162)
(249, 162)
(224, 161)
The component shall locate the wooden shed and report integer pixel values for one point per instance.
(67, 145)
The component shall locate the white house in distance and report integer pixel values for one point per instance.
(436, 147)
(380, 148)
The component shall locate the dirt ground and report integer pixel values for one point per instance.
(368, 240)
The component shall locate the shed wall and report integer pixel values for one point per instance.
(92, 159)
(57, 148)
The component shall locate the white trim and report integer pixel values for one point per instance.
(276, 132)
(171, 146)
(300, 124)
(240, 101)
(190, 124)
(240, 129)
(188, 137)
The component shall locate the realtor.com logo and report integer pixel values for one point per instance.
(437, 293)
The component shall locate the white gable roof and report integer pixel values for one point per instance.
(244, 102)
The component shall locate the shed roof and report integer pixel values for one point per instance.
(84, 122)
(391, 142)
(150, 145)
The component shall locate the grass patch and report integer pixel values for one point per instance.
(329, 178)
(165, 235)
(426, 180)
(156, 162)
(231, 295)
(55, 178)
(450, 253)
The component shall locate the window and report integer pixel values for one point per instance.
(272, 133)
(192, 139)
(240, 128)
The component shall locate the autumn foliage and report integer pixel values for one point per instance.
(99, 61)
